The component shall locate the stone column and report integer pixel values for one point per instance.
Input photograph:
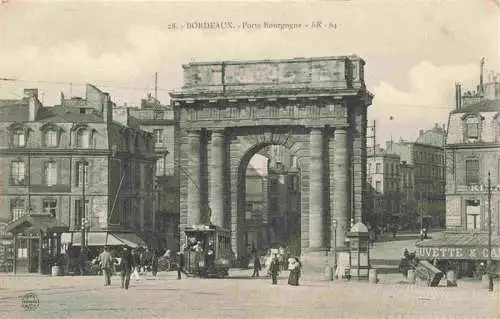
(341, 177)
(316, 210)
(194, 179)
(217, 179)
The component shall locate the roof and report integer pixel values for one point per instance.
(13, 110)
(43, 222)
(482, 106)
(60, 113)
(459, 240)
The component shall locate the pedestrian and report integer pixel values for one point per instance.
(126, 265)
(295, 267)
(256, 265)
(274, 269)
(154, 264)
(180, 264)
(106, 264)
(136, 264)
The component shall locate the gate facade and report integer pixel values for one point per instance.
(316, 108)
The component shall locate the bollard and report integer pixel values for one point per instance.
(411, 277)
(372, 276)
(56, 271)
(451, 279)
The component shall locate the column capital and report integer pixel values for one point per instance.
(194, 133)
(316, 129)
(217, 132)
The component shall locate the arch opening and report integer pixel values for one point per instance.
(269, 198)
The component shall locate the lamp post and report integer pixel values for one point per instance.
(334, 230)
(490, 263)
(84, 221)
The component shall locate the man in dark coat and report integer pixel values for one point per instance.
(256, 265)
(180, 264)
(274, 269)
(126, 265)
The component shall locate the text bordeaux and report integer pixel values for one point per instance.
(457, 253)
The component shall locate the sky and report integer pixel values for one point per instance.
(414, 50)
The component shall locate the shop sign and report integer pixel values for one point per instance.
(482, 188)
(457, 253)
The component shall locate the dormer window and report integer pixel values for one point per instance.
(472, 127)
(83, 138)
(19, 138)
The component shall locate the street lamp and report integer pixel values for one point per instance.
(84, 221)
(334, 230)
(490, 263)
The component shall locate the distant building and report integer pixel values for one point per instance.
(159, 120)
(72, 166)
(383, 197)
(426, 156)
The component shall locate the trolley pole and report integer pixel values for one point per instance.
(490, 263)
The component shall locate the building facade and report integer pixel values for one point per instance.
(472, 165)
(427, 161)
(73, 163)
(159, 120)
(473, 154)
(383, 198)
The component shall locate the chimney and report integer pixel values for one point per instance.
(421, 133)
(107, 108)
(33, 107)
(143, 103)
(458, 96)
(28, 93)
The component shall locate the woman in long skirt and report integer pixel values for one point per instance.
(295, 266)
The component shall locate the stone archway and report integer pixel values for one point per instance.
(314, 107)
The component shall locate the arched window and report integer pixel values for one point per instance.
(472, 127)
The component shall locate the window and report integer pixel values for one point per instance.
(82, 170)
(51, 138)
(378, 168)
(473, 210)
(472, 172)
(472, 127)
(158, 136)
(17, 208)
(50, 207)
(83, 138)
(22, 249)
(160, 167)
(378, 186)
(157, 115)
(80, 211)
(248, 210)
(18, 173)
(369, 168)
(50, 173)
(19, 138)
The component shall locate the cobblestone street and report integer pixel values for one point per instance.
(239, 297)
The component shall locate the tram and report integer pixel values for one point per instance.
(208, 250)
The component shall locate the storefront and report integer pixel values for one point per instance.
(463, 250)
(36, 242)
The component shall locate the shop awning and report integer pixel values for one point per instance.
(458, 246)
(42, 222)
(112, 239)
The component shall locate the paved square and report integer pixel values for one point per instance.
(240, 297)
